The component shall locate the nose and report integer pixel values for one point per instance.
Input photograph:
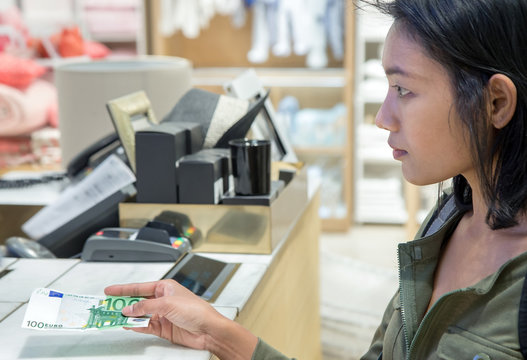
(385, 118)
(379, 119)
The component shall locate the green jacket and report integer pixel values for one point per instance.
(479, 322)
(475, 323)
(265, 352)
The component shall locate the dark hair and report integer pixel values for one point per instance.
(473, 40)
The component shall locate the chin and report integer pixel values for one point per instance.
(417, 182)
(419, 179)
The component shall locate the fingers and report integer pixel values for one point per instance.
(154, 289)
(135, 289)
(158, 329)
(160, 307)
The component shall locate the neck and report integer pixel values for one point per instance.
(479, 205)
(477, 217)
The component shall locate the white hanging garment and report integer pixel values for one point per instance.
(227, 7)
(317, 57)
(206, 12)
(335, 27)
(189, 16)
(259, 52)
(190, 25)
(166, 24)
(239, 16)
(178, 14)
(293, 24)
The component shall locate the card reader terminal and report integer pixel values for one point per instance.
(134, 245)
(203, 276)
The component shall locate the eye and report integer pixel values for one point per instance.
(401, 92)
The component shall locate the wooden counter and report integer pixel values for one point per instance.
(284, 310)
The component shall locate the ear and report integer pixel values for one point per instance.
(503, 99)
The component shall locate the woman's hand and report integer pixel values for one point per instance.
(183, 318)
(177, 314)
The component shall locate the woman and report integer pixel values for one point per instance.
(456, 107)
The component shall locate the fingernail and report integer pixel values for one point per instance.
(127, 310)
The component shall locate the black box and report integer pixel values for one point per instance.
(226, 166)
(157, 148)
(200, 179)
(231, 198)
(194, 134)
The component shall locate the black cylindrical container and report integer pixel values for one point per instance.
(251, 166)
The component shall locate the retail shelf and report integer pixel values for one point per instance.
(290, 77)
(319, 150)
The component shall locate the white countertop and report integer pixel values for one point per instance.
(7, 308)
(5, 262)
(28, 274)
(92, 277)
(75, 276)
(18, 343)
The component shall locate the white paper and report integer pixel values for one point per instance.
(106, 179)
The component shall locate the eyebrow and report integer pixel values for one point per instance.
(396, 70)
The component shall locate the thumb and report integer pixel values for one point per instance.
(144, 307)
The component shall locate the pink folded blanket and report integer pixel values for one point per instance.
(23, 111)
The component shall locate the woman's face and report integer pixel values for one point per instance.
(426, 134)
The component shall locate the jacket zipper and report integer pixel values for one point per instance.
(427, 316)
(411, 345)
(403, 317)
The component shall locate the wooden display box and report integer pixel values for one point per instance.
(252, 229)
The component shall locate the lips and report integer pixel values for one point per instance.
(397, 153)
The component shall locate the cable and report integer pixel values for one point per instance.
(22, 183)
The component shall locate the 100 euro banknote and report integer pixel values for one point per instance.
(54, 310)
